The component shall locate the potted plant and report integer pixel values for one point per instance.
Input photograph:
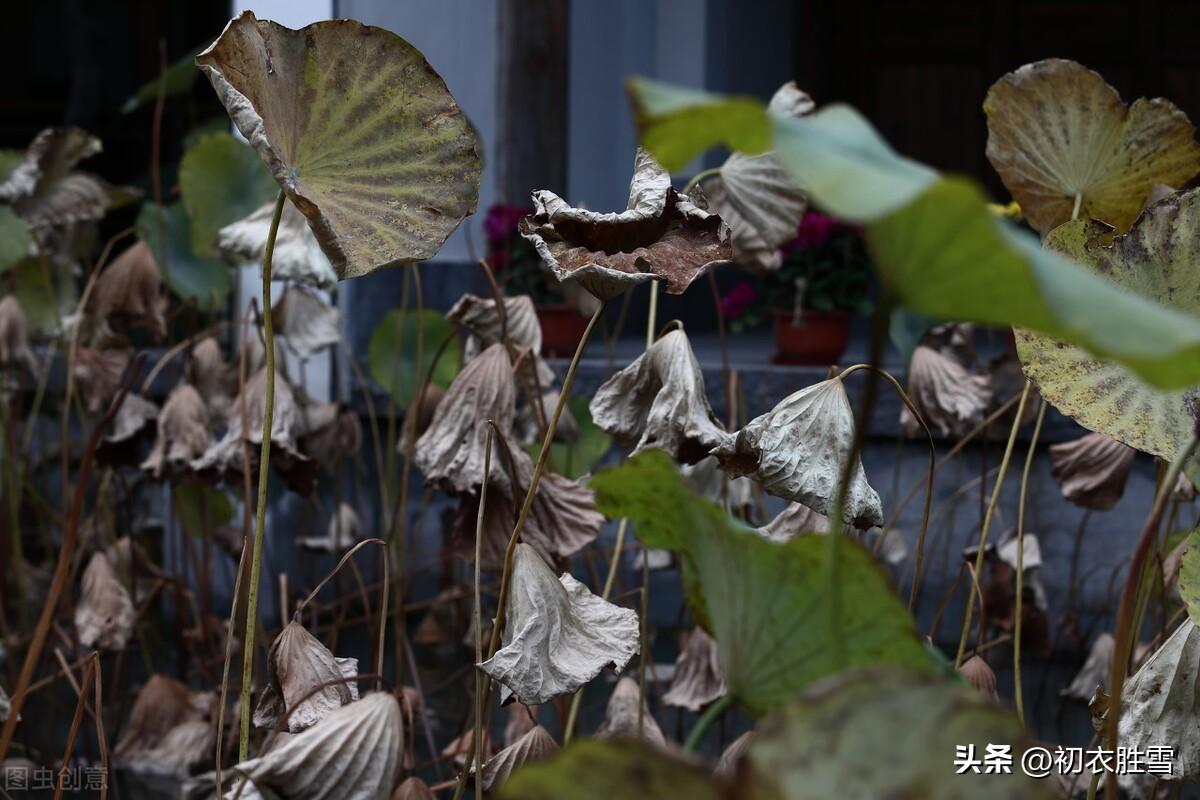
(519, 271)
(823, 282)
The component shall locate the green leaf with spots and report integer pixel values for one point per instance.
(359, 131)
(392, 353)
(15, 238)
(764, 602)
(1189, 576)
(203, 281)
(222, 181)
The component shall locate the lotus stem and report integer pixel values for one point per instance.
(479, 702)
(987, 523)
(264, 465)
(1037, 430)
(1125, 611)
(652, 314)
(710, 715)
(700, 177)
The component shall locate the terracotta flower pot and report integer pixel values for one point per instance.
(562, 328)
(820, 339)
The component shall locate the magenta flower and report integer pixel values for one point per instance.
(814, 230)
(738, 301)
(500, 224)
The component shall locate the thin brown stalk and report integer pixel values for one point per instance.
(1017, 691)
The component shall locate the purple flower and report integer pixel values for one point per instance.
(738, 301)
(814, 231)
(500, 224)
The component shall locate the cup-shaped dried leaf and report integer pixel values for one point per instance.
(697, 680)
(135, 415)
(1095, 671)
(342, 533)
(893, 729)
(558, 636)
(1061, 137)
(659, 401)
(1160, 702)
(352, 752)
(98, 374)
(451, 452)
(338, 439)
(521, 720)
(297, 255)
(456, 751)
(796, 451)
(164, 729)
(104, 615)
(1092, 470)
(129, 292)
(14, 336)
(950, 399)
(413, 789)
(359, 131)
(628, 717)
(306, 321)
(1155, 259)
(797, 518)
(183, 433)
(662, 235)
(981, 676)
(213, 378)
(297, 664)
(536, 745)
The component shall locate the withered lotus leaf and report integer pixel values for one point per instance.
(104, 615)
(134, 415)
(342, 533)
(557, 634)
(129, 291)
(451, 452)
(14, 336)
(796, 451)
(727, 764)
(169, 730)
(1155, 259)
(477, 315)
(735, 495)
(977, 673)
(521, 720)
(537, 744)
(950, 399)
(659, 401)
(797, 518)
(413, 789)
(1160, 702)
(214, 380)
(354, 753)
(1095, 671)
(359, 131)
(98, 374)
(1092, 470)
(697, 680)
(1057, 132)
(662, 235)
(183, 433)
(297, 664)
(306, 321)
(297, 255)
(621, 717)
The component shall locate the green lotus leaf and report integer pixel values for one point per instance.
(392, 353)
(15, 238)
(222, 181)
(592, 769)
(178, 79)
(1189, 575)
(358, 130)
(732, 575)
(46, 290)
(887, 733)
(1057, 132)
(1156, 259)
(203, 281)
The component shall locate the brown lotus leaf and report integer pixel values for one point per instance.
(169, 729)
(955, 340)
(977, 673)
(98, 375)
(129, 292)
(535, 745)
(134, 416)
(430, 397)
(353, 752)
(451, 452)
(104, 615)
(628, 717)
(1092, 470)
(306, 321)
(796, 450)
(359, 131)
(662, 235)
(797, 518)
(477, 316)
(1160, 701)
(297, 664)
(342, 533)
(558, 636)
(413, 789)
(727, 764)
(14, 336)
(659, 401)
(951, 400)
(521, 720)
(183, 433)
(1095, 671)
(1061, 137)
(297, 255)
(456, 751)
(697, 680)
(224, 459)
(331, 438)
(213, 378)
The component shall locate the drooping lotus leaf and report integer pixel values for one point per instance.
(1057, 132)
(299, 665)
(731, 574)
(628, 717)
(392, 352)
(203, 281)
(1161, 700)
(1095, 671)
(222, 181)
(306, 321)
(297, 255)
(168, 731)
(359, 131)
(536, 745)
(886, 733)
(1092, 470)
(183, 433)
(1156, 259)
(950, 398)
(697, 680)
(104, 615)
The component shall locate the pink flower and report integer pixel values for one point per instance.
(814, 231)
(500, 224)
(739, 299)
